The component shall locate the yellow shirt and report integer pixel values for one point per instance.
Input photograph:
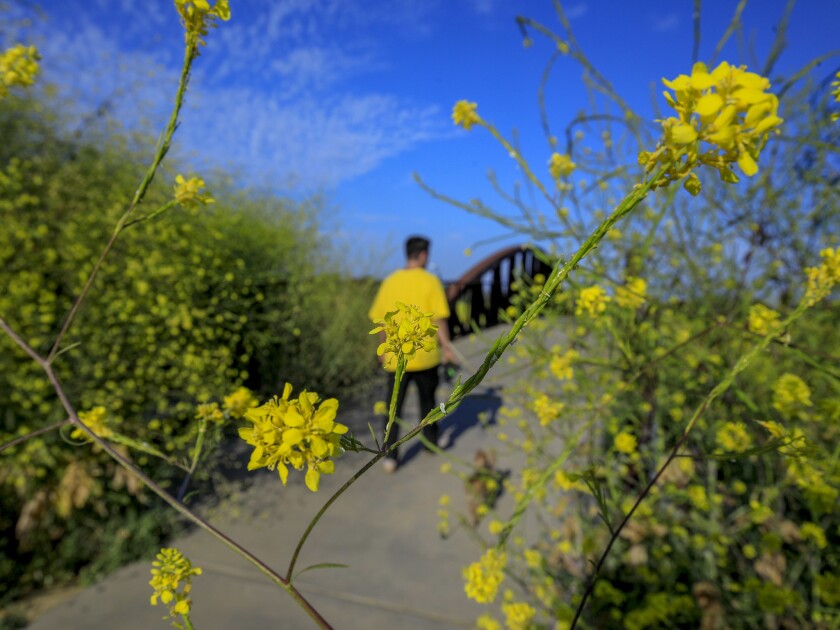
(422, 289)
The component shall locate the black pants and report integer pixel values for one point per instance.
(427, 382)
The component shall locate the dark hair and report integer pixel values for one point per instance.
(416, 245)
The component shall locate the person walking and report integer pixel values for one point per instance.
(414, 285)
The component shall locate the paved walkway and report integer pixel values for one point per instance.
(401, 574)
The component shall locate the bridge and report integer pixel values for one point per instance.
(477, 297)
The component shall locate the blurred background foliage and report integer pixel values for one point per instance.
(189, 306)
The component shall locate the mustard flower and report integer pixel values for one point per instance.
(486, 622)
(790, 394)
(560, 165)
(625, 443)
(18, 67)
(464, 114)
(734, 437)
(169, 571)
(293, 432)
(190, 192)
(547, 409)
(814, 533)
(592, 300)
(209, 412)
(240, 401)
(724, 117)
(407, 330)
(821, 280)
(380, 408)
(835, 92)
(518, 615)
(632, 294)
(198, 16)
(484, 577)
(561, 365)
(95, 421)
(762, 320)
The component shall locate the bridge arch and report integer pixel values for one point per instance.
(485, 288)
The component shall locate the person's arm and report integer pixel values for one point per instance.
(443, 340)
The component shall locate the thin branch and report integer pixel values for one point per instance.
(32, 434)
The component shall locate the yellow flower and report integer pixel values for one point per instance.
(197, 16)
(190, 192)
(815, 533)
(293, 433)
(18, 67)
(836, 94)
(560, 165)
(464, 114)
(723, 118)
(484, 577)
(733, 436)
(592, 300)
(240, 401)
(533, 558)
(95, 421)
(632, 294)
(380, 408)
(407, 330)
(561, 366)
(546, 409)
(518, 615)
(169, 570)
(486, 622)
(762, 320)
(697, 496)
(209, 412)
(625, 443)
(821, 280)
(790, 394)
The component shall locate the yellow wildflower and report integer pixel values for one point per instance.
(169, 570)
(407, 330)
(561, 366)
(380, 408)
(733, 436)
(240, 401)
(18, 67)
(625, 443)
(197, 16)
(547, 409)
(697, 496)
(209, 412)
(821, 280)
(190, 192)
(95, 421)
(533, 558)
(486, 622)
(464, 114)
(814, 533)
(592, 300)
(790, 394)
(484, 577)
(518, 615)
(724, 117)
(560, 165)
(836, 94)
(762, 319)
(632, 294)
(293, 433)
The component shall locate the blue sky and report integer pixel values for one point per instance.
(350, 97)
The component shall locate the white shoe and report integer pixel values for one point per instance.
(389, 465)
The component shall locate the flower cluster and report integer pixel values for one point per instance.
(733, 437)
(724, 117)
(168, 572)
(293, 432)
(484, 577)
(240, 401)
(197, 16)
(407, 330)
(790, 394)
(518, 615)
(561, 365)
(464, 114)
(18, 67)
(209, 412)
(547, 409)
(632, 294)
(625, 443)
(592, 300)
(190, 192)
(821, 280)
(560, 165)
(835, 92)
(95, 421)
(762, 319)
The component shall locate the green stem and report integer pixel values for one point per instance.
(392, 409)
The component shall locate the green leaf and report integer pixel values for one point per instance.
(321, 565)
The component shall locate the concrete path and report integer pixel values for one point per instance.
(401, 574)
